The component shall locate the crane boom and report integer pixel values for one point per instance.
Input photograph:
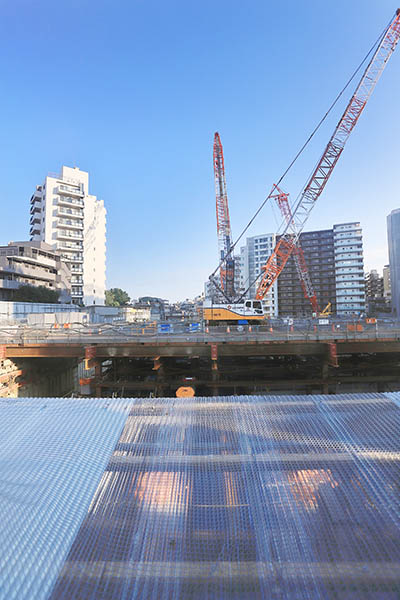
(227, 269)
(332, 152)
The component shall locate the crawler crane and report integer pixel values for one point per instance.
(299, 215)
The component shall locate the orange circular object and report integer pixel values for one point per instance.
(185, 392)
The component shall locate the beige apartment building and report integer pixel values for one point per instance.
(32, 263)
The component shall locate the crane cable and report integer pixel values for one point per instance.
(296, 157)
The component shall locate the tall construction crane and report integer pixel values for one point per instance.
(313, 189)
(298, 216)
(227, 264)
(282, 200)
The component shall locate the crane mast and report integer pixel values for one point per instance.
(227, 268)
(313, 189)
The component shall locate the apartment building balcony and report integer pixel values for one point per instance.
(76, 280)
(69, 190)
(35, 219)
(70, 246)
(76, 269)
(349, 289)
(70, 201)
(70, 212)
(356, 294)
(65, 234)
(70, 258)
(34, 231)
(347, 237)
(356, 250)
(354, 241)
(35, 208)
(71, 223)
(9, 284)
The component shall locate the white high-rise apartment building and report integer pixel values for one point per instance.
(349, 269)
(66, 216)
(253, 257)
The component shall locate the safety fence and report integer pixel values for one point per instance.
(198, 332)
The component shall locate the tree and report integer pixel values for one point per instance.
(32, 293)
(117, 297)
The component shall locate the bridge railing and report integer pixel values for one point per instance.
(180, 332)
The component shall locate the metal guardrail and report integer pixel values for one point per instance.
(103, 334)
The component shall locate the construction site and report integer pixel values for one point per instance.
(241, 456)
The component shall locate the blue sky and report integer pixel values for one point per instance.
(133, 90)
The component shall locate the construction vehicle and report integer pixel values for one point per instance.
(251, 311)
(296, 218)
(327, 310)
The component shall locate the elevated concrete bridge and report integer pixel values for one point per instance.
(120, 361)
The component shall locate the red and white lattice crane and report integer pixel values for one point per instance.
(227, 264)
(313, 189)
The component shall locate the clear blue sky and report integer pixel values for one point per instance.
(133, 90)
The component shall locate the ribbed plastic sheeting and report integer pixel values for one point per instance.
(245, 497)
(52, 456)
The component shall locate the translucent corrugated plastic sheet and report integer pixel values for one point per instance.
(395, 396)
(52, 455)
(285, 497)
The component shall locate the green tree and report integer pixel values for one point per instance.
(117, 297)
(32, 293)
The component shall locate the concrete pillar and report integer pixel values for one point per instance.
(98, 378)
(214, 369)
(159, 368)
(325, 376)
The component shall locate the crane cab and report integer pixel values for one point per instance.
(229, 314)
